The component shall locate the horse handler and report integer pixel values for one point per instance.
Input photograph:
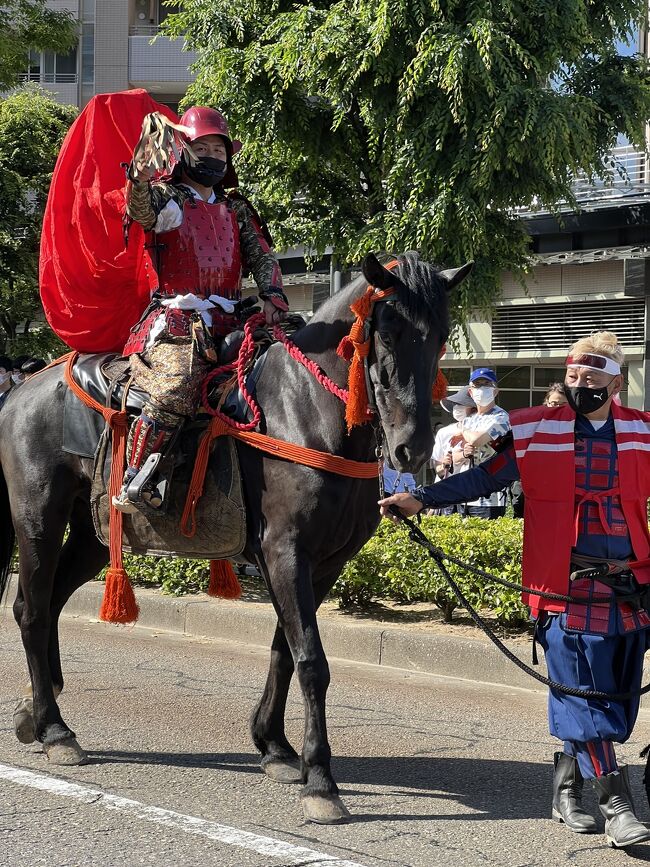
(585, 472)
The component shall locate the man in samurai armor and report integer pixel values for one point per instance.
(585, 472)
(203, 240)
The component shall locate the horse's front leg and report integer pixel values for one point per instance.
(290, 579)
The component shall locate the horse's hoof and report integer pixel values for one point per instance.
(66, 752)
(324, 811)
(282, 772)
(24, 721)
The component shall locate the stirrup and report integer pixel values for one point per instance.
(140, 489)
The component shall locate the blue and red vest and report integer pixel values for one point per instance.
(544, 442)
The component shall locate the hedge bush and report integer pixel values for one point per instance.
(391, 566)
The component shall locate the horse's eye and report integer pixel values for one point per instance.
(386, 338)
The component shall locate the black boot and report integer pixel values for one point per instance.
(567, 796)
(622, 828)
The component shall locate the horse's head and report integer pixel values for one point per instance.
(409, 331)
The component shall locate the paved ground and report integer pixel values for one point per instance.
(436, 771)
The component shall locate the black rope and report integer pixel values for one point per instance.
(437, 555)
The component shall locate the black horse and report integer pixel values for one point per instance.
(303, 524)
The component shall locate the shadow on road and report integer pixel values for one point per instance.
(488, 788)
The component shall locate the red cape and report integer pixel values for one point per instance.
(93, 288)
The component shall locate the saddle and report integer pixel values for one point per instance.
(220, 514)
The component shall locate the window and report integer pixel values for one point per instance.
(50, 68)
(88, 53)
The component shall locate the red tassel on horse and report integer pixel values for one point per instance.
(223, 580)
(118, 604)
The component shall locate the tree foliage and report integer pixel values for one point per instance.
(32, 128)
(397, 124)
(29, 24)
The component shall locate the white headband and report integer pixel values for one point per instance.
(601, 363)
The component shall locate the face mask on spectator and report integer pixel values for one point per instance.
(483, 396)
(459, 413)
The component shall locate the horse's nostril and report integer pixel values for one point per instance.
(402, 455)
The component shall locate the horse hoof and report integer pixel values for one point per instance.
(67, 752)
(24, 721)
(324, 811)
(282, 772)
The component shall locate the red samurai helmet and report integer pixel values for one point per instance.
(202, 120)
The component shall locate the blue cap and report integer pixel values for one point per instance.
(483, 373)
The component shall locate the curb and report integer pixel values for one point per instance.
(353, 639)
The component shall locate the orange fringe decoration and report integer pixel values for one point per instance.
(355, 349)
(223, 580)
(118, 604)
(439, 390)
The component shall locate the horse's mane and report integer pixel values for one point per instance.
(421, 293)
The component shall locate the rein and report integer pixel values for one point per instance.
(438, 556)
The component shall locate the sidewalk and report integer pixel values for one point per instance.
(420, 647)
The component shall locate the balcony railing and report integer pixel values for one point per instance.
(626, 177)
(150, 30)
(50, 77)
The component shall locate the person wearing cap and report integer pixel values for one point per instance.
(205, 239)
(585, 471)
(477, 431)
(460, 405)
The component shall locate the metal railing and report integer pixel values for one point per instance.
(50, 77)
(144, 30)
(626, 175)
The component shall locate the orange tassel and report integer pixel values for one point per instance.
(439, 387)
(223, 580)
(118, 604)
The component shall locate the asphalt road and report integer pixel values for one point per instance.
(436, 771)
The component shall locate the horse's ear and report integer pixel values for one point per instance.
(454, 276)
(376, 274)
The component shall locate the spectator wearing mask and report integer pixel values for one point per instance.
(460, 405)
(477, 431)
(17, 376)
(556, 395)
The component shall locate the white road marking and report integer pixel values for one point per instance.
(287, 852)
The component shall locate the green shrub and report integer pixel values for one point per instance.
(391, 566)
(176, 577)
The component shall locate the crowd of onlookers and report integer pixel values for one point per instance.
(14, 372)
(458, 446)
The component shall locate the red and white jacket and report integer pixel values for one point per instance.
(544, 442)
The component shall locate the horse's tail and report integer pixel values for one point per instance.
(7, 536)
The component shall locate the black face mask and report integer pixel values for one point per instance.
(208, 171)
(586, 400)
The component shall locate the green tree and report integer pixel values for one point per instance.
(32, 128)
(26, 25)
(397, 124)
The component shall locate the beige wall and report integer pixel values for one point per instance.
(111, 45)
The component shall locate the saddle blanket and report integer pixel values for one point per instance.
(220, 513)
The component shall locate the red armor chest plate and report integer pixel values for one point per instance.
(203, 255)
